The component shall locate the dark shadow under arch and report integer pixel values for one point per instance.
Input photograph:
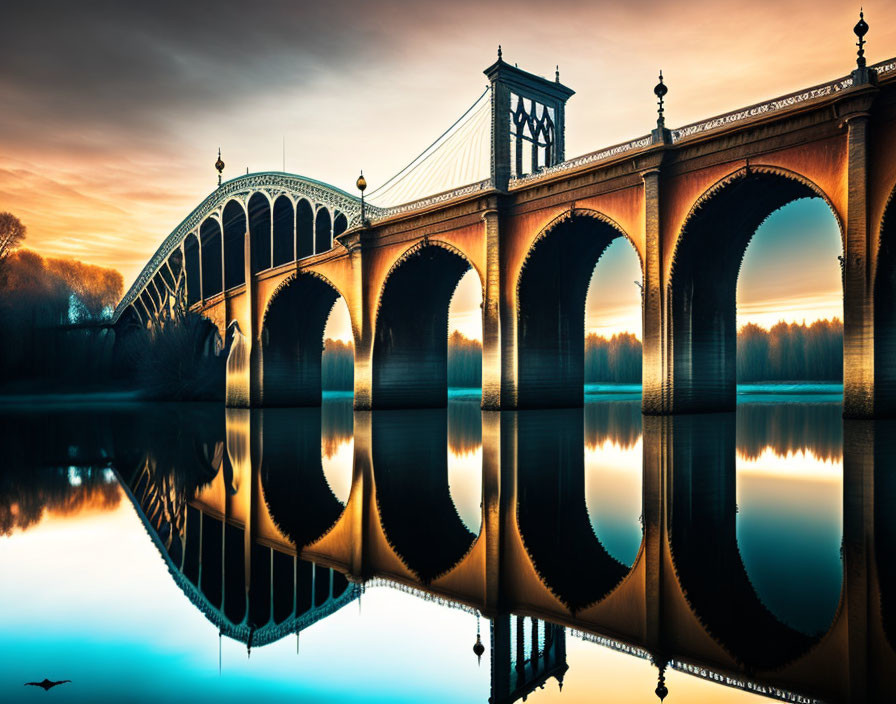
(885, 315)
(260, 232)
(551, 293)
(551, 510)
(284, 231)
(323, 231)
(304, 229)
(703, 282)
(410, 467)
(703, 539)
(292, 341)
(295, 490)
(191, 262)
(410, 348)
(234, 220)
(212, 262)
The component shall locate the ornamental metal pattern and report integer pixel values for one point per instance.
(273, 184)
(252, 636)
(772, 106)
(531, 122)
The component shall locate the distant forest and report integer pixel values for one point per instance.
(787, 352)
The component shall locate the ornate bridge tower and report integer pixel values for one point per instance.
(528, 121)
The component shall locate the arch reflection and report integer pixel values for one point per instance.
(553, 521)
(410, 467)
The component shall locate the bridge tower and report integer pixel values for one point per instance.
(528, 121)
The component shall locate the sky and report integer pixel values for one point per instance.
(113, 112)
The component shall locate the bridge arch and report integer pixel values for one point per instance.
(283, 231)
(551, 289)
(410, 346)
(304, 229)
(323, 230)
(260, 232)
(885, 312)
(212, 257)
(292, 338)
(702, 282)
(192, 268)
(233, 220)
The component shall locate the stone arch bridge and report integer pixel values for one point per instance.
(265, 256)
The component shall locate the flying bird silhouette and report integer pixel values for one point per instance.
(46, 684)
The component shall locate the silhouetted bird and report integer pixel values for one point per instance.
(46, 684)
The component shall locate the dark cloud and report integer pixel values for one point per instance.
(109, 63)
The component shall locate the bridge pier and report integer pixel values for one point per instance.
(861, 398)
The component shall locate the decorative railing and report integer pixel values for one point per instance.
(791, 100)
(698, 670)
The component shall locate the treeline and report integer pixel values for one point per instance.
(787, 352)
(791, 352)
(617, 360)
(464, 361)
(338, 365)
(54, 315)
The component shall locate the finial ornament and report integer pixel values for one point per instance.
(660, 90)
(361, 185)
(557, 73)
(219, 165)
(478, 647)
(861, 29)
(661, 691)
(499, 52)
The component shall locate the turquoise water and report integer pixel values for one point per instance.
(88, 596)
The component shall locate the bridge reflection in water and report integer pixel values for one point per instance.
(677, 539)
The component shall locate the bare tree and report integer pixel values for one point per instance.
(12, 232)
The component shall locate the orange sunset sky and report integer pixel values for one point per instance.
(113, 112)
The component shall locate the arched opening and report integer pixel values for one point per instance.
(212, 262)
(284, 228)
(465, 338)
(292, 341)
(790, 300)
(260, 232)
(323, 231)
(304, 229)
(338, 361)
(340, 225)
(410, 347)
(551, 294)
(234, 244)
(704, 283)
(613, 321)
(885, 315)
(191, 257)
